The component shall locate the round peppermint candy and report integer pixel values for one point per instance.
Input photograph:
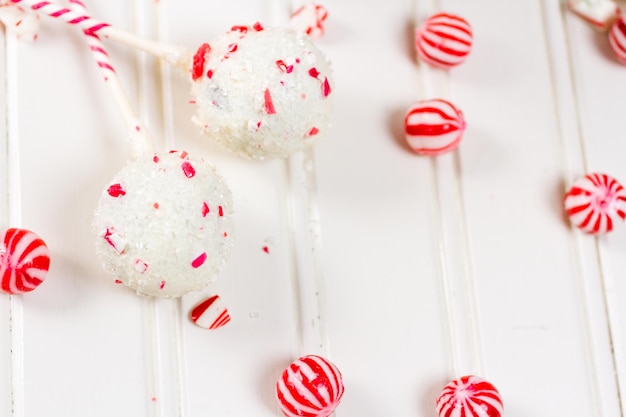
(469, 396)
(444, 40)
(595, 203)
(617, 39)
(24, 261)
(433, 127)
(310, 386)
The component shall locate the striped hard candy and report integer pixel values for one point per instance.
(595, 203)
(24, 261)
(211, 313)
(444, 40)
(310, 386)
(433, 126)
(617, 39)
(469, 396)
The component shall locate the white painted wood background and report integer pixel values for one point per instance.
(405, 271)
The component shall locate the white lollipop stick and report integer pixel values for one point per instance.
(172, 54)
(140, 139)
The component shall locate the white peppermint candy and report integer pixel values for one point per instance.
(24, 261)
(595, 203)
(469, 396)
(311, 386)
(444, 40)
(433, 127)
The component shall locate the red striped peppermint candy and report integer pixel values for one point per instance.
(24, 261)
(595, 203)
(433, 127)
(211, 313)
(444, 40)
(311, 387)
(469, 396)
(617, 39)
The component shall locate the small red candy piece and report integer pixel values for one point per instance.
(309, 18)
(617, 39)
(469, 396)
(444, 40)
(310, 386)
(595, 203)
(199, 60)
(24, 261)
(211, 313)
(433, 127)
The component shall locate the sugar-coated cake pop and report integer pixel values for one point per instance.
(24, 261)
(600, 13)
(433, 127)
(444, 40)
(617, 39)
(262, 92)
(310, 386)
(211, 313)
(595, 203)
(164, 224)
(469, 396)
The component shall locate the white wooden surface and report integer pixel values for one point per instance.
(405, 271)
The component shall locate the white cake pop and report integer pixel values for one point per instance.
(165, 225)
(262, 92)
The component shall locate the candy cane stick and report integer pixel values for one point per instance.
(172, 54)
(139, 137)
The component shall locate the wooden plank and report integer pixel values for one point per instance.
(243, 359)
(5, 336)
(525, 258)
(598, 82)
(376, 205)
(78, 325)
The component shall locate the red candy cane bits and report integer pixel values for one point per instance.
(24, 261)
(310, 386)
(433, 127)
(210, 313)
(444, 40)
(309, 18)
(469, 396)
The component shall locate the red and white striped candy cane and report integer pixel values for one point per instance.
(169, 53)
(95, 44)
(140, 139)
